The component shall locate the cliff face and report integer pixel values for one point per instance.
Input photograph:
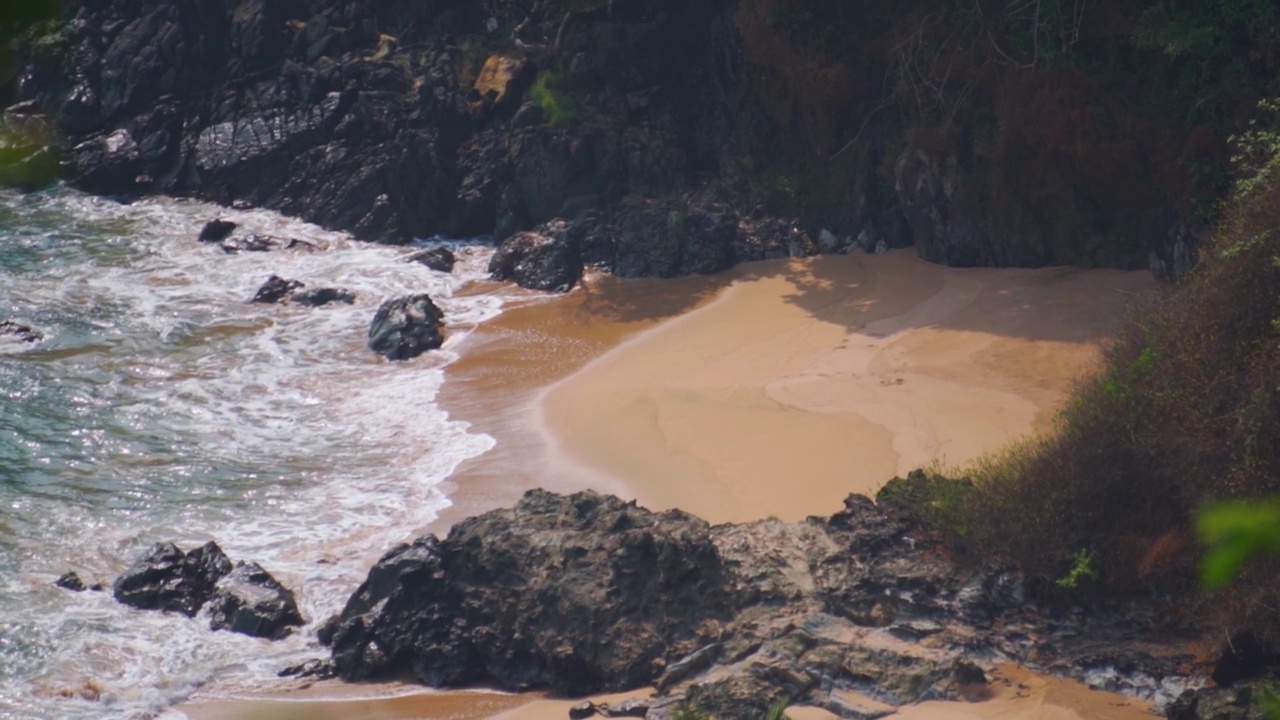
(652, 126)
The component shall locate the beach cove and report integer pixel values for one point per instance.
(772, 390)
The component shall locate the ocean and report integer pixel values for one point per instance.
(163, 406)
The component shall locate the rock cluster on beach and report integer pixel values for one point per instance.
(242, 598)
(586, 593)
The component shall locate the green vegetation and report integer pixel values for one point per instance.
(1176, 439)
(553, 91)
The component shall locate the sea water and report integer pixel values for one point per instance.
(163, 406)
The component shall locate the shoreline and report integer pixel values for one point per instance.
(513, 366)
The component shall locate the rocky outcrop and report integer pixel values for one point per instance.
(276, 289)
(588, 593)
(440, 258)
(546, 260)
(215, 231)
(244, 599)
(398, 119)
(166, 578)
(248, 600)
(578, 594)
(406, 327)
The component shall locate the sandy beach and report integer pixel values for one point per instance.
(804, 381)
(772, 390)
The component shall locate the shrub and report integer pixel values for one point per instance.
(553, 91)
(1185, 412)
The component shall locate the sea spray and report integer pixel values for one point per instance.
(162, 405)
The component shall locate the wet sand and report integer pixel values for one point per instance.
(1013, 694)
(774, 389)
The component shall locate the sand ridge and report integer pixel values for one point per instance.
(809, 379)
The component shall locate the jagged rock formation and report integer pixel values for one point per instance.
(244, 598)
(406, 327)
(402, 119)
(439, 258)
(248, 600)
(166, 578)
(587, 593)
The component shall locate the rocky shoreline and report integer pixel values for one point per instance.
(617, 127)
(858, 613)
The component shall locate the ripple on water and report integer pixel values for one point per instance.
(163, 406)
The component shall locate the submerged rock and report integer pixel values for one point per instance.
(406, 327)
(168, 579)
(71, 581)
(253, 243)
(250, 601)
(17, 331)
(215, 231)
(317, 297)
(538, 261)
(440, 259)
(276, 289)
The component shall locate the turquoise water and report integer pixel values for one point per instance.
(162, 406)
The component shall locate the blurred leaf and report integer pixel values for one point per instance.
(1235, 532)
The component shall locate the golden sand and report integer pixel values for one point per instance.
(804, 381)
(772, 390)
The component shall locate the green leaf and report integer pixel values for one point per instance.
(1235, 532)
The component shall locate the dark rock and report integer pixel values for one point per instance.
(438, 258)
(109, 163)
(296, 244)
(317, 297)
(1212, 703)
(582, 710)
(251, 243)
(406, 327)
(71, 581)
(529, 115)
(168, 579)
(317, 669)
(696, 662)
(248, 600)
(1246, 656)
(276, 289)
(580, 594)
(585, 594)
(673, 238)
(17, 331)
(538, 261)
(631, 707)
(217, 230)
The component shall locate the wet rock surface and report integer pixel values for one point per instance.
(71, 581)
(248, 600)
(440, 259)
(319, 297)
(586, 593)
(244, 598)
(15, 331)
(215, 231)
(548, 260)
(276, 289)
(406, 327)
(166, 578)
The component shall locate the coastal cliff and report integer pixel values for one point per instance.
(674, 137)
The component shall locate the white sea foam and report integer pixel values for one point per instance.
(314, 456)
